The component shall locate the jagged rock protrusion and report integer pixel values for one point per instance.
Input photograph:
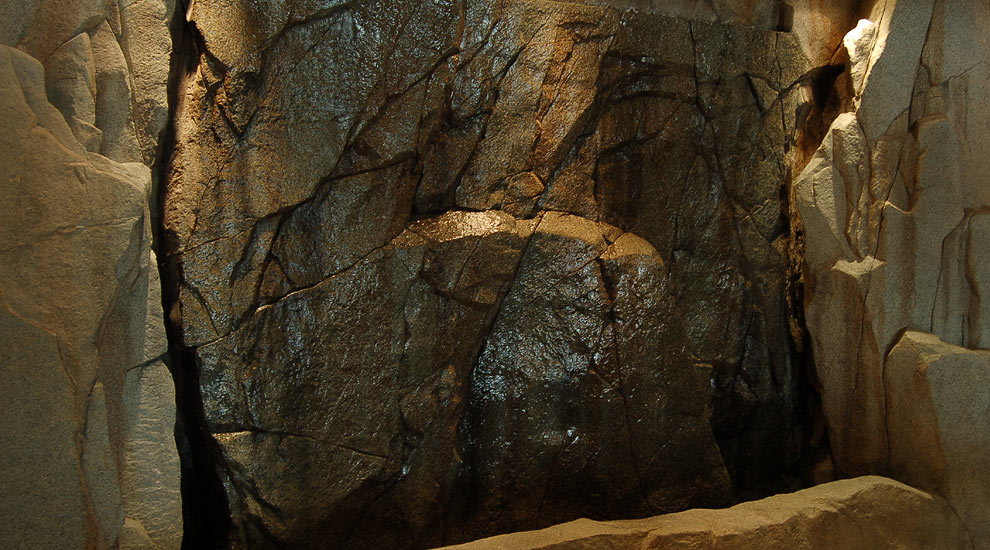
(892, 205)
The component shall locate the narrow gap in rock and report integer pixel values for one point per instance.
(785, 17)
(827, 98)
(816, 451)
(205, 510)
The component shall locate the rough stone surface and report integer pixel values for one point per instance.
(149, 483)
(893, 206)
(364, 394)
(937, 419)
(89, 453)
(294, 215)
(465, 267)
(818, 25)
(126, 43)
(586, 359)
(862, 513)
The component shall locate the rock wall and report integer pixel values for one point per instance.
(89, 456)
(474, 267)
(817, 25)
(460, 268)
(893, 205)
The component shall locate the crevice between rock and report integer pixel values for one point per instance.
(205, 510)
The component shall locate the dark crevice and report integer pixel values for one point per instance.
(785, 17)
(205, 510)
(813, 119)
(827, 99)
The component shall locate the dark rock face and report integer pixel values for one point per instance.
(584, 398)
(453, 269)
(356, 386)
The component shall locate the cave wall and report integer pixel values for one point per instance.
(474, 267)
(88, 454)
(817, 25)
(462, 268)
(894, 207)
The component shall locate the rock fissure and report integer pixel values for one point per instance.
(456, 244)
(428, 272)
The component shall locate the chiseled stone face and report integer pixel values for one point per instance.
(892, 206)
(450, 269)
(89, 407)
(937, 423)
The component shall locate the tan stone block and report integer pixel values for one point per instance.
(855, 514)
(937, 423)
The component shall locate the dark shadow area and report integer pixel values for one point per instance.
(785, 17)
(205, 510)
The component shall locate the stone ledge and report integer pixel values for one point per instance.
(867, 512)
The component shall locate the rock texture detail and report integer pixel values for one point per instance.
(862, 513)
(459, 268)
(89, 456)
(893, 206)
(456, 260)
(818, 25)
(937, 416)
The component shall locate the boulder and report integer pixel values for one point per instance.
(862, 513)
(937, 424)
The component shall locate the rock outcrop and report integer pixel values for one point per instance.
(613, 188)
(938, 423)
(87, 430)
(893, 206)
(441, 270)
(863, 513)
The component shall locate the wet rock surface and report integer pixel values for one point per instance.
(528, 247)
(584, 397)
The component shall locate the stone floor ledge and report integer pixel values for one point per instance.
(866, 513)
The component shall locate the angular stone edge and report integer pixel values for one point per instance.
(865, 512)
(938, 421)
